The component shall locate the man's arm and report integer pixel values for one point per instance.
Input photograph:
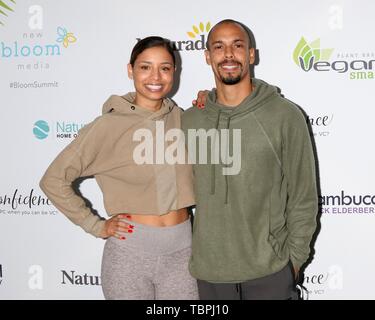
(299, 169)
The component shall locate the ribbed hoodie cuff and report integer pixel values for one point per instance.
(94, 225)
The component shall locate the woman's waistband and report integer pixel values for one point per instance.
(157, 240)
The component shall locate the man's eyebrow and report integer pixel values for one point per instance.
(221, 41)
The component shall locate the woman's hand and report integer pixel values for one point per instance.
(116, 227)
(201, 99)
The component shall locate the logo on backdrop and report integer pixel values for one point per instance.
(197, 41)
(347, 204)
(28, 52)
(310, 57)
(41, 129)
(35, 281)
(320, 124)
(306, 54)
(198, 36)
(7, 8)
(60, 130)
(73, 278)
(317, 284)
(30, 203)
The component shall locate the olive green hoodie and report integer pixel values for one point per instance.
(105, 149)
(249, 225)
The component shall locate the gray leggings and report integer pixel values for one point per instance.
(151, 264)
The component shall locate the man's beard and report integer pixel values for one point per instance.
(230, 80)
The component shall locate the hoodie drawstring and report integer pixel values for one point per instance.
(212, 166)
(239, 290)
(213, 177)
(226, 176)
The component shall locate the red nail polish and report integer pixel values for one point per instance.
(130, 231)
(130, 226)
(122, 238)
(129, 217)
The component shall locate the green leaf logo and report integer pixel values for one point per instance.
(4, 9)
(306, 54)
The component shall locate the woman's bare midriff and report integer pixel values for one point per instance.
(169, 219)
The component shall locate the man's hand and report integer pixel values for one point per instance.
(296, 272)
(201, 99)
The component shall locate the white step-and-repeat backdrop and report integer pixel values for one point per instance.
(60, 60)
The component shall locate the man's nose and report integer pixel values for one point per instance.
(228, 52)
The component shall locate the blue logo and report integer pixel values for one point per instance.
(41, 129)
(19, 49)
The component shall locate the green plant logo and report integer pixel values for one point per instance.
(306, 54)
(4, 9)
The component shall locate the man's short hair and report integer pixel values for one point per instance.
(244, 27)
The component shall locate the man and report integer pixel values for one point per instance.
(254, 217)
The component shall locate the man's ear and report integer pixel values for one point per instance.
(208, 59)
(252, 55)
(130, 71)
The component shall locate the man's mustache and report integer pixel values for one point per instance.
(230, 62)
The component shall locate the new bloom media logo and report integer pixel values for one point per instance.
(18, 49)
(310, 57)
(33, 50)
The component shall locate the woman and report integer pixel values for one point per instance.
(149, 233)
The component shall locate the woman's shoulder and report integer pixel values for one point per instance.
(98, 125)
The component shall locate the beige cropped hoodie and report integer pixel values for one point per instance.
(104, 149)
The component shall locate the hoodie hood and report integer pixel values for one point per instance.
(262, 93)
(125, 105)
